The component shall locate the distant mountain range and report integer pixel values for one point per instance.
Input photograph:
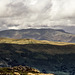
(47, 56)
(39, 34)
(70, 29)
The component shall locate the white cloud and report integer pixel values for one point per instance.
(36, 13)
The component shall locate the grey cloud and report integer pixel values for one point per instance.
(30, 13)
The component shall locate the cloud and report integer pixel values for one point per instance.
(63, 8)
(18, 14)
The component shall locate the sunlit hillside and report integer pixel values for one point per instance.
(32, 41)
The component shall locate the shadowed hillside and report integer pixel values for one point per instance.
(45, 56)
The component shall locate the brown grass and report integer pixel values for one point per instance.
(32, 41)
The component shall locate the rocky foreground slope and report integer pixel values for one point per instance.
(47, 56)
(20, 70)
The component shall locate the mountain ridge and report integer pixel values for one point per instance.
(39, 34)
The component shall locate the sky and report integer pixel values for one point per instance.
(22, 14)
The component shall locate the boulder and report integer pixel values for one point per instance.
(16, 73)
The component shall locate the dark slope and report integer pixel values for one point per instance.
(39, 34)
(41, 56)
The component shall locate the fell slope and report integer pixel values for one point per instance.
(43, 55)
(39, 34)
(31, 41)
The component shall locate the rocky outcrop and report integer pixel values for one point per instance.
(23, 69)
(16, 73)
(20, 70)
(38, 74)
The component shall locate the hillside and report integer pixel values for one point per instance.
(31, 41)
(39, 34)
(46, 56)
